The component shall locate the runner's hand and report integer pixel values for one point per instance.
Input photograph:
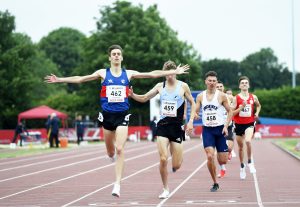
(51, 79)
(189, 128)
(182, 69)
(225, 131)
(130, 92)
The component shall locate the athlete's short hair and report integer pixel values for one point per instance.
(211, 73)
(169, 65)
(244, 78)
(114, 47)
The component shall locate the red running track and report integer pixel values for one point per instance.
(84, 177)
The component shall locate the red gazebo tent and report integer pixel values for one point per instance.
(41, 112)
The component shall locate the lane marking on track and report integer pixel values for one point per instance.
(47, 161)
(257, 191)
(125, 178)
(76, 175)
(58, 159)
(182, 183)
(66, 165)
(194, 202)
(39, 156)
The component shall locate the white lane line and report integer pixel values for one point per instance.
(125, 178)
(89, 194)
(76, 175)
(257, 191)
(202, 203)
(53, 160)
(47, 161)
(66, 165)
(97, 148)
(181, 184)
(39, 156)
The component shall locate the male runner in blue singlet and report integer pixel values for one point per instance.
(114, 102)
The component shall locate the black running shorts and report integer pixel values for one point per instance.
(230, 133)
(173, 131)
(241, 128)
(111, 121)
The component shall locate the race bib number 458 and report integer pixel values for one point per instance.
(116, 93)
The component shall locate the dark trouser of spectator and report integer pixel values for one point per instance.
(22, 137)
(153, 136)
(53, 137)
(15, 138)
(79, 138)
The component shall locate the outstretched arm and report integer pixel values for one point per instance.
(146, 97)
(75, 79)
(158, 73)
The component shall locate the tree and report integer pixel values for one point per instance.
(147, 41)
(64, 47)
(7, 25)
(227, 70)
(264, 70)
(21, 63)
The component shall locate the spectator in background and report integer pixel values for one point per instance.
(48, 128)
(79, 125)
(54, 129)
(153, 128)
(20, 128)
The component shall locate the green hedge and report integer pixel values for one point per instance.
(280, 103)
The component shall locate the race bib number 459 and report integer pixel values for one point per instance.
(116, 93)
(169, 108)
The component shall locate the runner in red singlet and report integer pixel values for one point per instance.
(244, 119)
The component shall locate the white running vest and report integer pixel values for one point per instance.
(212, 111)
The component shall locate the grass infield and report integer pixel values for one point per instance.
(289, 145)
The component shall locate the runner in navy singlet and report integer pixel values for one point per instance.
(212, 103)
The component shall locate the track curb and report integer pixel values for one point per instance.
(290, 153)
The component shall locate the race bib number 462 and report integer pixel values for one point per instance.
(116, 93)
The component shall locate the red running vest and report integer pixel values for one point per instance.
(245, 116)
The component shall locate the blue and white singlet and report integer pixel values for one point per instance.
(114, 92)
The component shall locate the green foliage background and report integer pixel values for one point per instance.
(281, 103)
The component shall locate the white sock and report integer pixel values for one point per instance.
(223, 167)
